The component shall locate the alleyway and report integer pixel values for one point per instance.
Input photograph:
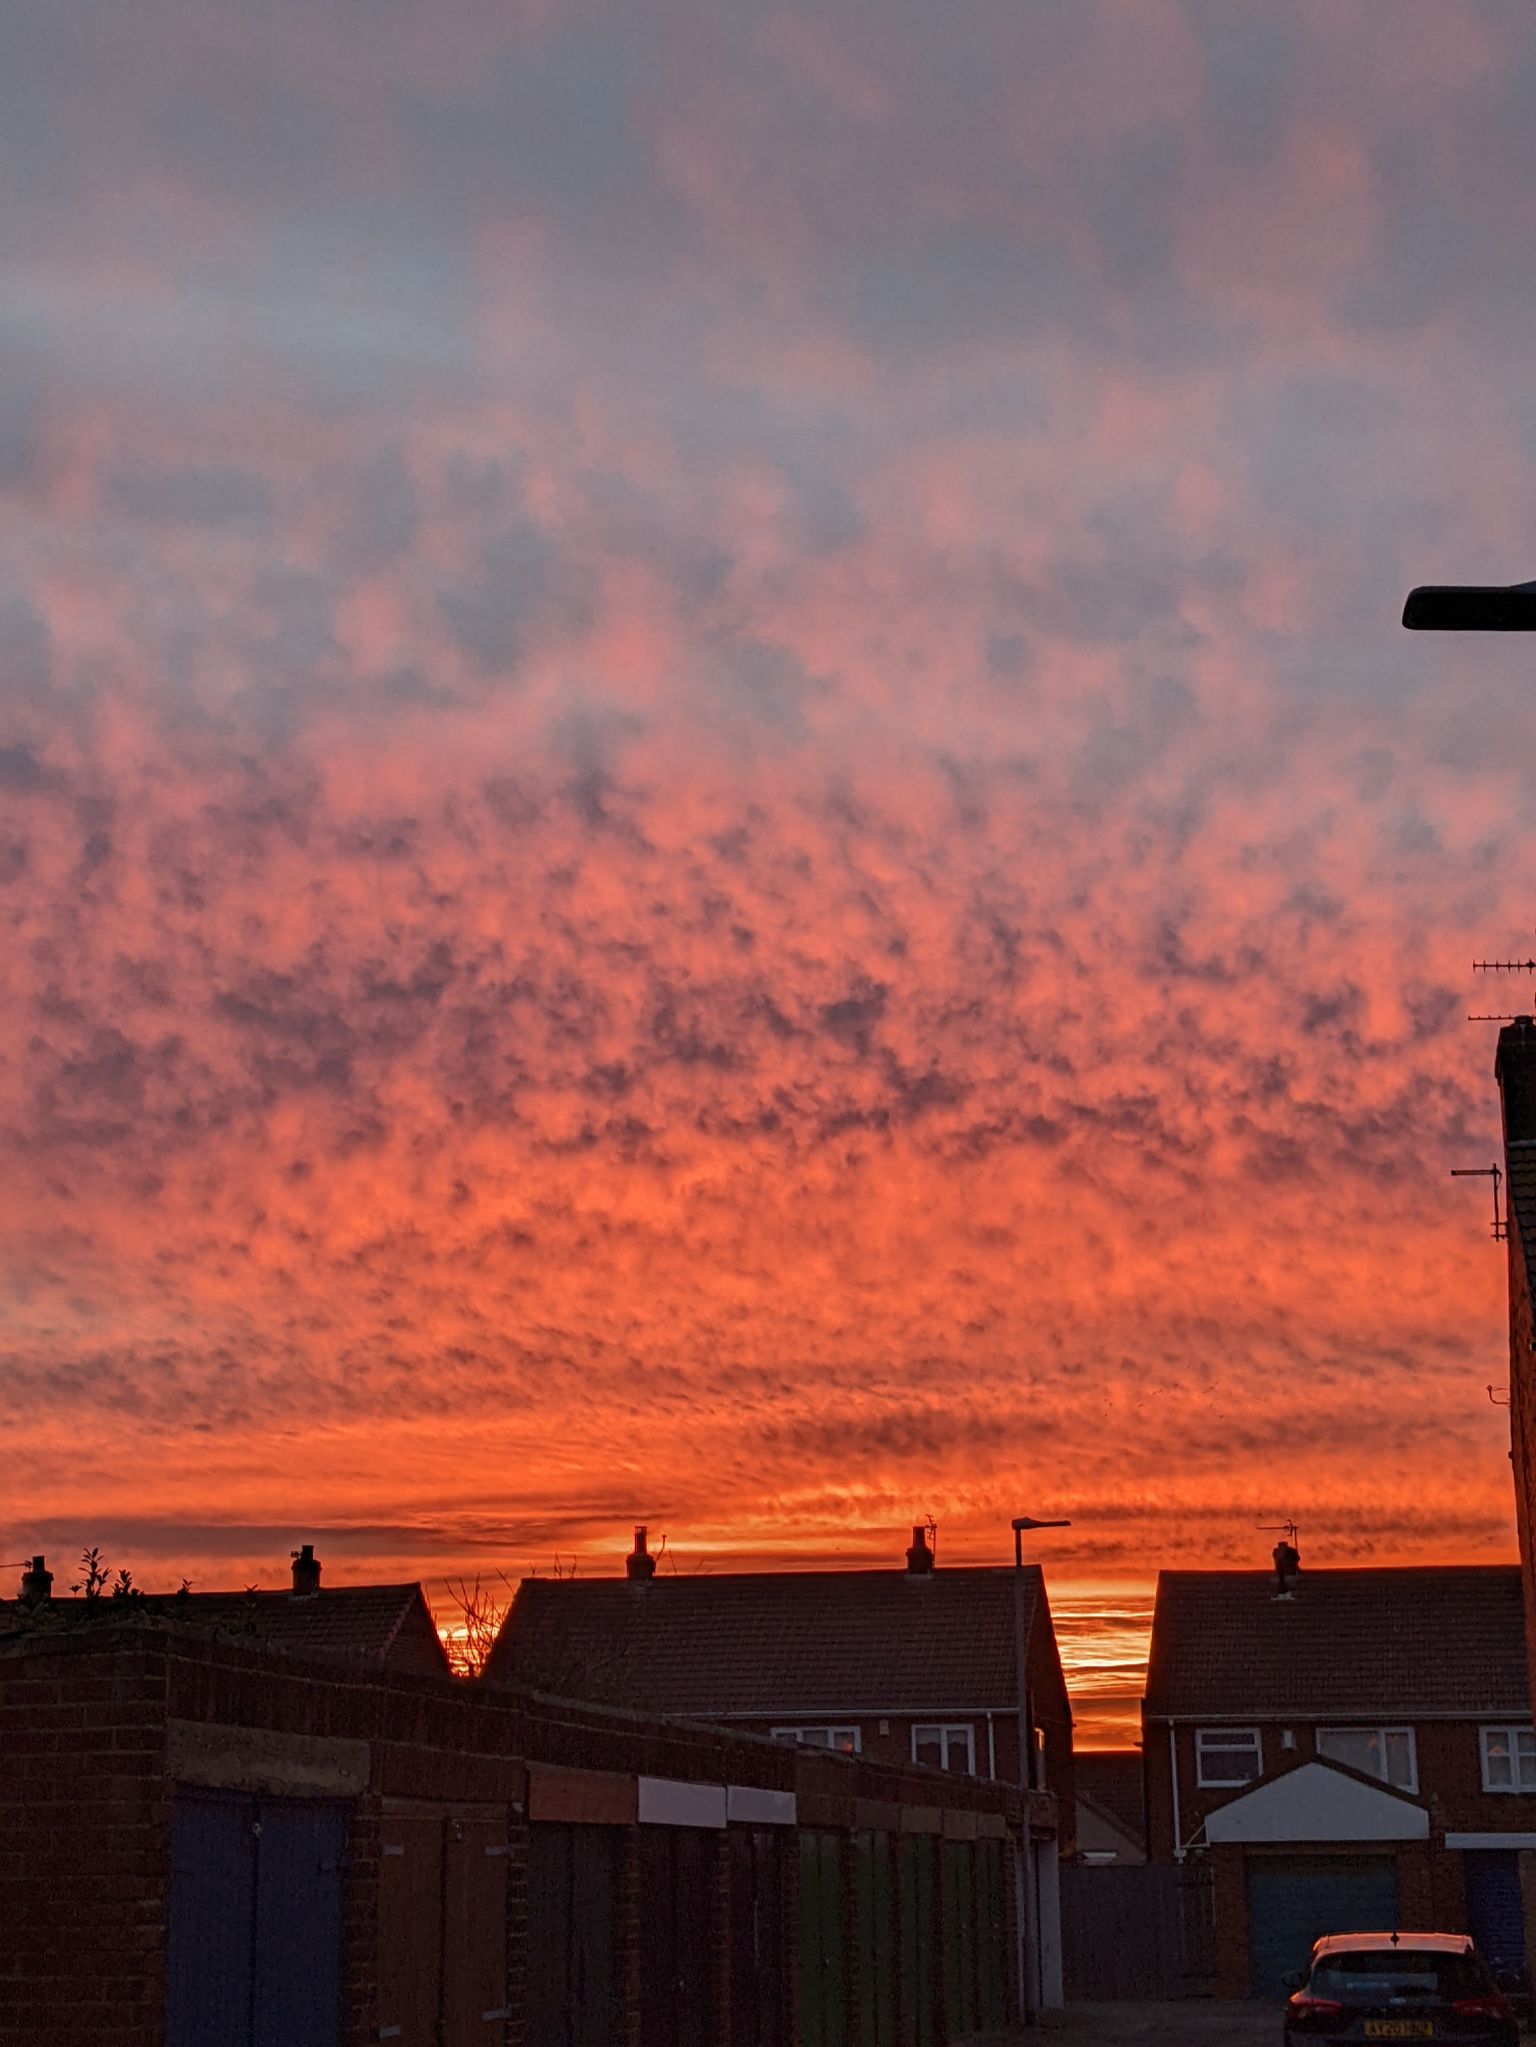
(1196, 2024)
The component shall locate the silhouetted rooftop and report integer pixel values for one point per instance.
(757, 1644)
(1442, 1638)
(386, 1626)
(1111, 1779)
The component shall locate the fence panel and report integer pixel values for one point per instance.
(1123, 1932)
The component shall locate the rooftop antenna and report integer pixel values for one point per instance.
(1494, 1173)
(1500, 967)
(1286, 1528)
(1493, 1398)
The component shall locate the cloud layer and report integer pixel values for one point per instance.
(710, 809)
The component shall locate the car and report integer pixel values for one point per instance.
(1362, 1987)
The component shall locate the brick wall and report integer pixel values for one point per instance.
(99, 1725)
(1515, 1070)
(85, 1818)
(1522, 1421)
(1229, 1897)
(1449, 1774)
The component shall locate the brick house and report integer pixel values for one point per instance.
(1515, 1071)
(1110, 1791)
(1343, 1749)
(913, 1666)
(206, 1839)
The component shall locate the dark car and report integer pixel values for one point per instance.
(1398, 1986)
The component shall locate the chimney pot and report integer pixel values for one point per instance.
(640, 1565)
(306, 1572)
(919, 1556)
(36, 1583)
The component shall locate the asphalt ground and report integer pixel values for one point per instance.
(1196, 2024)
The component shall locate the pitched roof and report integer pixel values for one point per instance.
(1111, 1780)
(382, 1625)
(764, 1643)
(1444, 1638)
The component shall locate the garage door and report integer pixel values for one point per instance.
(1293, 1899)
(1495, 1910)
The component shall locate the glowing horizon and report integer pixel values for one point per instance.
(711, 811)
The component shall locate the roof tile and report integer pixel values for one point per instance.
(757, 1644)
(1426, 1639)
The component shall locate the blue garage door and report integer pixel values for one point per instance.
(1495, 1910)
(253, 1948)
(1294, 1899)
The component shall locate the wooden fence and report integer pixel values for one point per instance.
(1138, 1931)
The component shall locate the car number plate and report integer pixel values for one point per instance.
(1399, 2029)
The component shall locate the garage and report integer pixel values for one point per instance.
(1294, 1899)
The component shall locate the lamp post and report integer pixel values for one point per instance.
(1028, 1901)
(1471, 608)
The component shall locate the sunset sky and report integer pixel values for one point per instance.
(711, 809)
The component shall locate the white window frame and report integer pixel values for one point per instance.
(948, 1733)
(1382, 1731)
(1227, 1737)
(1523, 1782)
(819, 1734)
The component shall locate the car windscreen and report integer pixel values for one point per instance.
(1374, 1974)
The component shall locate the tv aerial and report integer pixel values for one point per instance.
(1500, 1230)
(1502, 967)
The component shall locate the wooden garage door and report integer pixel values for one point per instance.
(1294, 1899)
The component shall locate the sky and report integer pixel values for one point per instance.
(711, 808)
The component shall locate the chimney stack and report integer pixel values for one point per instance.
(639, 1565)
(1514, 1068)
(1287, 1568)
(306, 1572)
(36, 1584)
(919, 1556)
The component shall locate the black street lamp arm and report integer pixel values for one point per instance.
(1471, 608)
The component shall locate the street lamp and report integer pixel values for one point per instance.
(1471, 608)
(1020, 1644)
(1029, 1905)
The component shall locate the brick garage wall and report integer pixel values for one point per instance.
(1415, 1888)
(1230, 1902)
(85, 1847)
(98, 1725)
(1431, 1898)
(360, 1923)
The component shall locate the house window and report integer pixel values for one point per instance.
(1384, 1752)
(1509, 1759)
(945, 1748)
(845, 1739)
(1227, 1755)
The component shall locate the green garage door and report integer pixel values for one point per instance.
(1293, 1899)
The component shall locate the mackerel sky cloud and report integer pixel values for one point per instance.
(710, 807)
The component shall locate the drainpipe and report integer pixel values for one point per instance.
(1173, 1780)
(991, 1747)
